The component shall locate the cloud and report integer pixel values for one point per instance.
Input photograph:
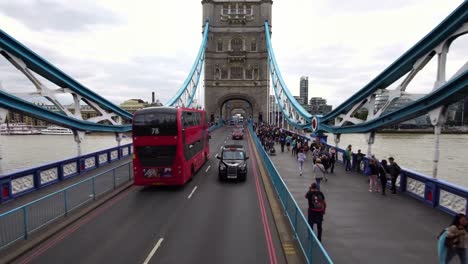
(121, 50)
(41, 15)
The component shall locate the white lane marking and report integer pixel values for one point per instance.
(194, 189)
(207, 169)
(221, 147)
(153, 251)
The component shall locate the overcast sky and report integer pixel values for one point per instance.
(127, 49)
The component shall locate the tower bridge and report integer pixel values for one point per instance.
(206, 221)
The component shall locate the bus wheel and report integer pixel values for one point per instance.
(206, 157)
(192, 171)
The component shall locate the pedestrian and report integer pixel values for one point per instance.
(332, 159)
(288, 142)
(347, 156)
(359, 158)
(294, 147)
(282, 142)
(372, 171)
(301, 158)
(394, 171)
(456, 241)
(317, 208)
(383, 175)
(319, 172)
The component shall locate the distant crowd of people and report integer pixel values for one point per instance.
(323, 159)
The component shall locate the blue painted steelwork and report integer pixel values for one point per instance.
(311, 247)
(450, 92)
(195, 72)
(405, 63)
(53, 74)
(19, 105)
(34, 216)
(277, 80)
(113, 154)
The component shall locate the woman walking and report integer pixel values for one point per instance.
(457, 233)
(372, 172)
(301, 158)
(319, 172)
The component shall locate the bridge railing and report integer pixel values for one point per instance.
(436, 193)
(20, 222)
(310, 245)
(25, 181)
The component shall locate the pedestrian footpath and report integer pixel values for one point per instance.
(364, 227)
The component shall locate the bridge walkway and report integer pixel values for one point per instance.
(364, 227)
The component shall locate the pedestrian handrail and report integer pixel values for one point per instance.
(20, 222)
(311, 247)
(436, 193)
(25, 181)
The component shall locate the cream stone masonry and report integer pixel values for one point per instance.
(236, 58)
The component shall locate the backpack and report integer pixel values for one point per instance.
(317, 203)
(368, 170)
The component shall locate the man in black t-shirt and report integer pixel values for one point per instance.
(317, 207)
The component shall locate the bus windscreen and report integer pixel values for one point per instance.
(155, 124)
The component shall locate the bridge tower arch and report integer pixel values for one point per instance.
(236, 57)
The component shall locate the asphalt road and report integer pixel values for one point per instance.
(205, 221)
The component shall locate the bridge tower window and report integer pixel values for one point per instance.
(237, 73)
(219, 46)
(253, 45)
(236, 44)
(249, 74)
(224, 73)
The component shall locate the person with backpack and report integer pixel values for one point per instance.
(319, 172)
(394, 171)
(453, 241)
(317, 207)
(372, 171)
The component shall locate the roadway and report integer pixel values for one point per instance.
(205, 221)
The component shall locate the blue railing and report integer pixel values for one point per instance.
(20, 222)
(436, 193)
(310, 245)
(26, 181)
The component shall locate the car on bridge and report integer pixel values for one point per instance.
(232, 163)
(237, 134)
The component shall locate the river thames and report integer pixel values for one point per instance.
(412, 151)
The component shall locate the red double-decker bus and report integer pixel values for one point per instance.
(170, 144)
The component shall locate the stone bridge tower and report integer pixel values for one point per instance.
(236, 61)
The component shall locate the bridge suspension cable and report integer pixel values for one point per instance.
(185, 96)
(292, 111)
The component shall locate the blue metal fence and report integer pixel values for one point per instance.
(20, 222)
(310, 245)
(25, 181)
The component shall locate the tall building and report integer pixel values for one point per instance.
(304, 89)
(318, 106)
(300, 100)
